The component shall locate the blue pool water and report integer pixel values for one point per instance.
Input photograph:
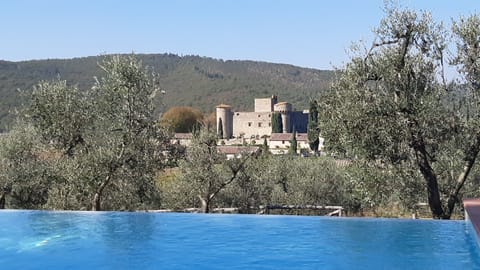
(116, 240)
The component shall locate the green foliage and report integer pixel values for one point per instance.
(60, 113)
(264, 180)
(25, 174)
(205, 172)
(305, 181)
(376, 186)
(220, 128)
(293, 144)
(312, 128)
(265, 147)
(388, 105)
(466, 32)
(312, 181)
(97, 149)
(277, 126)
(194, 81)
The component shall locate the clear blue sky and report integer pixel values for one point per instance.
(308, 33)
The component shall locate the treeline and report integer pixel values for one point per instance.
(193, 81)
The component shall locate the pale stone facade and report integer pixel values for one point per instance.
(265, 104)
(259, 122)
(252, 124)
(279, 143)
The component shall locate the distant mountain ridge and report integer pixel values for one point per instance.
(200, 82)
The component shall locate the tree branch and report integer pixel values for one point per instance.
(235, 172)
(470, 157)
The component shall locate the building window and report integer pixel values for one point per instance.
(269, 124)
(283, 142)
(259, 124)
(249, 124)
(238, 114)
(259, 115)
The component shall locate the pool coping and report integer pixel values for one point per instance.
(472, 215)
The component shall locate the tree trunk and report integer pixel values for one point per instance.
(470, 158)
(431, 179)
(96, 204)
(453, 197)
(2, 200)
(205, 205)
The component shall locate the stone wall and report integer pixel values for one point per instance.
(258, 123)
(252, 124)
(264, 104)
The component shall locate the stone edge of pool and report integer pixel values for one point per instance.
(472, 215)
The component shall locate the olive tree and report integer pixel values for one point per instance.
(102, 147)
(467, 36)
(128, 145)
(254, 186)
(391, 104)
(308, 181)
(25, 177)
(206, 171)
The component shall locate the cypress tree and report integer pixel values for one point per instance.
(293, 143)
(220, 128)
(276, 123)
(312, 128)
(265, 148)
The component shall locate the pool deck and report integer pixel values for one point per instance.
(472, 213)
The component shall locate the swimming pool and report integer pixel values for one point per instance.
(120, 240)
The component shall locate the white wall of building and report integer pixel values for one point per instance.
(251, 124)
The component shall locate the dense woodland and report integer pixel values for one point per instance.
(396, 134)
(193, 81)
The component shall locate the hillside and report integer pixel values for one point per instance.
(188, 80)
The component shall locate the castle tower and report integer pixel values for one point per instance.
(224, 112)
(265, 104)
(284, 108)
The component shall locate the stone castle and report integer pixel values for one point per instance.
(259, 122)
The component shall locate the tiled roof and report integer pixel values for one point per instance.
(288, 137)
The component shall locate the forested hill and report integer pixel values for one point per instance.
(187, 80)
